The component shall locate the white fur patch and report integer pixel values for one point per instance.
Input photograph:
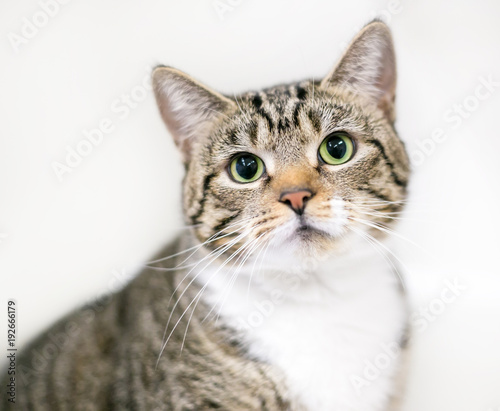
(322, 325)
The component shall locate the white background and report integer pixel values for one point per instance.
(64, 242)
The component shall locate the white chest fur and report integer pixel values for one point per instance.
(334, 332)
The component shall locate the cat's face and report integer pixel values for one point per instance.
(300, 167)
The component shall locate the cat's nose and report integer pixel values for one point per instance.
(296, 200)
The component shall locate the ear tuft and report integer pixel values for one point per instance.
(187, 107)
(368, 68)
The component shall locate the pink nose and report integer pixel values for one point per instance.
(296, 200)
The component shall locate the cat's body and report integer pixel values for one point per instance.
(108, 359)
(111, 360)
(278, 297)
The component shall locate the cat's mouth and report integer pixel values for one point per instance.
(306, 231)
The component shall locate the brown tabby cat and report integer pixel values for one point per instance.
(279, 295)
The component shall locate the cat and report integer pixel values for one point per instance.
(279, 294)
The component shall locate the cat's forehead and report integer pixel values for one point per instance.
(280, 97)
(286, 118)
(278, 105)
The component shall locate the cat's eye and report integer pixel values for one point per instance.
(336, 149)
(246, 168)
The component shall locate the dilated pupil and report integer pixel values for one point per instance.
(336, 147)
(246, 167)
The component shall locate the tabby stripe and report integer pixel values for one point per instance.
(252, 133)
(232, 137)
(268, 118)
(206, 185)
(283, 124)
(295, 115)
(257, 101)
(226, 221)
(226, 201)
(301, 92)
(375, 193)
(260, 232)
(379, 145)
(315, 120)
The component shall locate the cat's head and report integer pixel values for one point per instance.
(299, 167)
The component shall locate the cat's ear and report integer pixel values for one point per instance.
(187, 107)
(368, 68)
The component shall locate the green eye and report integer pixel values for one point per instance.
(246, 168)
(336, 149)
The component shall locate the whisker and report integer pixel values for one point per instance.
(223, 248)
(265, 245)
(228, 246)
(390, 216)
(389, 231)
(196, 297)
(219, 251)
(199, 298)
(374, 242)
(241, 249)
(211, 239)
(250, 248)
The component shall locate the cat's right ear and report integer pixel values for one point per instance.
(187, 107)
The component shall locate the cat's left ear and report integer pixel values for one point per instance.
(187, 107)
(368, 68)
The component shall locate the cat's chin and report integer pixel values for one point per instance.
(310, 241)
(308, 233)
(306, 242)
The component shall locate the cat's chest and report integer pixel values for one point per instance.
(324, 340)
(324, 352)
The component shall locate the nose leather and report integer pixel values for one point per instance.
(296, 200)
